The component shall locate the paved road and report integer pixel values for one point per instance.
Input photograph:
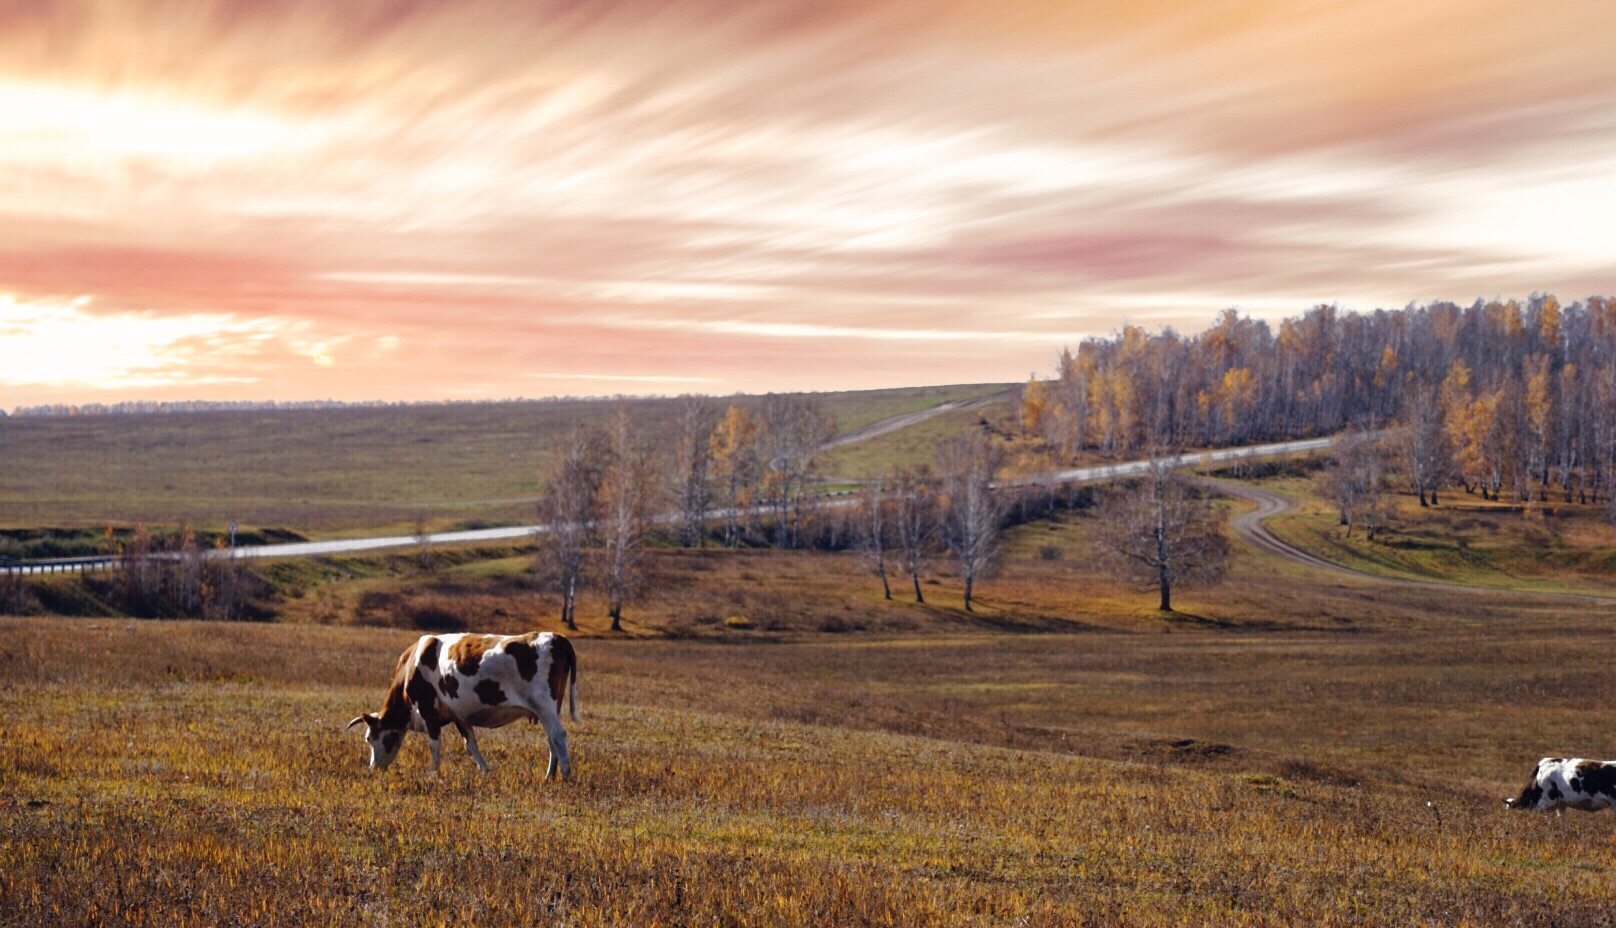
(1250, 528)
(517, 532)
(1194, 459)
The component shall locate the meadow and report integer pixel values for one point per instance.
(177, 773)
(770, 742)
(1551, 546)
(1292, 748)
(329, 472)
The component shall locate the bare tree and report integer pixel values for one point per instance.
(971, 512)
(138, 575)
(695, 417)
(875, 531)
(1356, 483)
(1425, 451)
(188, 574)
(569, 509)
(794, 426)
(1164, 536)
(225, 584)
(915, 522)
(625, 491)
(423, 541)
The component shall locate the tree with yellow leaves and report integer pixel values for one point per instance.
(735, 465)
(1539, 420)
(1035, 405)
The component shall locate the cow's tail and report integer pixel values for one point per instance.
(572, 690)
(567, 658)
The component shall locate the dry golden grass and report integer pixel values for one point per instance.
(1293, 748)
(182, 773)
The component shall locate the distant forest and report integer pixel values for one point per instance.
(169, 407)
(1514, 400)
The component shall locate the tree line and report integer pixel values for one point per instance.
(1513, 400)
(746, 474)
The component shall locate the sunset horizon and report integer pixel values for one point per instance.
(417, 202)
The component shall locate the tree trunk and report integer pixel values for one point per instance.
(1166, 597)
(919, 596)
(569, 602)
(616, 613)
(886, 588)
(970, 581)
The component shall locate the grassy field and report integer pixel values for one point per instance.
(882, 455)
(1556, 546)
(179, 773)
(325, 472)
(772, 743)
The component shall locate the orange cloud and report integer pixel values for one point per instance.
(794, 194)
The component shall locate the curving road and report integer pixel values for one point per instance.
(516, 532)
(1247, 525)
(1250, 528)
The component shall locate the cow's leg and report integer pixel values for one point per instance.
(433, 730)
(471, 746)
(545, 709)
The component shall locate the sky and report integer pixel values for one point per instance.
(384, 199)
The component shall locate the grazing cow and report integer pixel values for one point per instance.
(476, 681)
(1589, 785)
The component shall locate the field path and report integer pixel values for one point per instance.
(904, 420)
(1250, 528)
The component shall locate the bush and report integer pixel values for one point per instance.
(434, 614)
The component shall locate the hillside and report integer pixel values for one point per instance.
(329, 471)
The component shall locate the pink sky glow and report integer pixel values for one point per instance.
(384, 199)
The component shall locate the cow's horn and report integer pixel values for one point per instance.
(356, 721)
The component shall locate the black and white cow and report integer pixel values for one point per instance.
(476, 681)
(1589, 785)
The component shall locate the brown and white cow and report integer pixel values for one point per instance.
(1589, 785)
(476, 681)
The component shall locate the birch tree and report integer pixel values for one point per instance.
(971, 512)
(569, 508)
(794, 426)
(694, 420)
(915, 522)
(1356, 483)
(1164, 536)
(875, 531)
(1424, 446)
(625, 491)
(735, 466)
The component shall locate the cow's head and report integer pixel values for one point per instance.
(384, 742)
(1531, 797)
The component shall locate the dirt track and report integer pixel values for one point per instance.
(904, 420)
(1249, 527)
